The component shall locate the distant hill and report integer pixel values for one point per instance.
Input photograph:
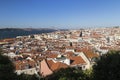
(13, 32)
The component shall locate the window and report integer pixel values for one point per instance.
(83, 67)
(80, 68)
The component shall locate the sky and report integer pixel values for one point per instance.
(59, 13)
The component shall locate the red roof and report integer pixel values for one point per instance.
(52, 55)
(88, 52)
(77, 60)
(56, 66)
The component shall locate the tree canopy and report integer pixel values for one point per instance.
(6, 68)
(108, 67)
(68, 74)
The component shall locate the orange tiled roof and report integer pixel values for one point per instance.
(88, 52)
(50, 62)
(20, 65)
(69, 53)
(77, 60)
(52, 55)
(56, 66)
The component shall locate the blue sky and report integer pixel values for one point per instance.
(59, 13)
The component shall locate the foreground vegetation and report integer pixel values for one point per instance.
(107, 68)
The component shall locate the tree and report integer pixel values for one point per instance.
(81, 34)
(68, 74)
(32, 36)
(1, 51)
(27, 77)
(89, 74)
(6, 68)
(108, 67)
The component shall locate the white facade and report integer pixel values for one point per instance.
(30, 71)
(88, 65)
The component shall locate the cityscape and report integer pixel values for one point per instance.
(59, 45)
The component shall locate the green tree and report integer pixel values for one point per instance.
(32, 36)
(27, 77)
(108, 67)
(68, 74)
(81, 34)
(89, 74)
(6, 68)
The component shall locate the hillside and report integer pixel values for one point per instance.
(13, 32)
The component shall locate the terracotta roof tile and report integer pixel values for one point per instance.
(50, 62)
(77, 60)
(20, 65)
(52, 55)
(69, 54)
(56, 66)
(88, 52)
